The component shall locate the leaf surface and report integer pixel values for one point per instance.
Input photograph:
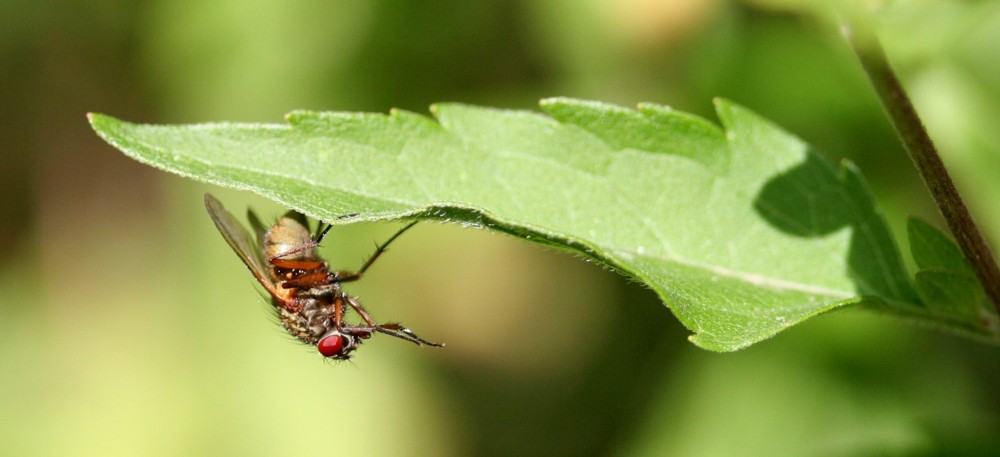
(742, 231)
(945, 280)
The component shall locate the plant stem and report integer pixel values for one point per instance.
(925, 156)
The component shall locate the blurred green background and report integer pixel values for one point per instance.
(128, 327)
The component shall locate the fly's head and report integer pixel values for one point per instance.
(337, 345)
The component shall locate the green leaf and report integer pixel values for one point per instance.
(933, 250)
(742, 232)
(945, 280)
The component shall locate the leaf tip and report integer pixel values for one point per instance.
(94, 118)
(91, 119)
(724, 106)
(102, 124)
(914, 224)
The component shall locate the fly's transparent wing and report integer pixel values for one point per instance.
(239, 239)
(258, 227)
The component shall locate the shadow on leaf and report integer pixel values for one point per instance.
(813, 200)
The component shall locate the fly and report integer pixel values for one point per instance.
(306, 295)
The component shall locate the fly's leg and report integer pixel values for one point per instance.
(297, 249)
(336, 276)
(307, 280)
(398, 331)
(393, 329)
(359, 309)
(348, 276)
(321, 231)
(338, 313)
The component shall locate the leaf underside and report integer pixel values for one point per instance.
(742, 231)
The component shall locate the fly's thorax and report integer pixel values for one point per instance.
(286, 235)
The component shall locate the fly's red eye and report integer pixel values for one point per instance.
(331, 345)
